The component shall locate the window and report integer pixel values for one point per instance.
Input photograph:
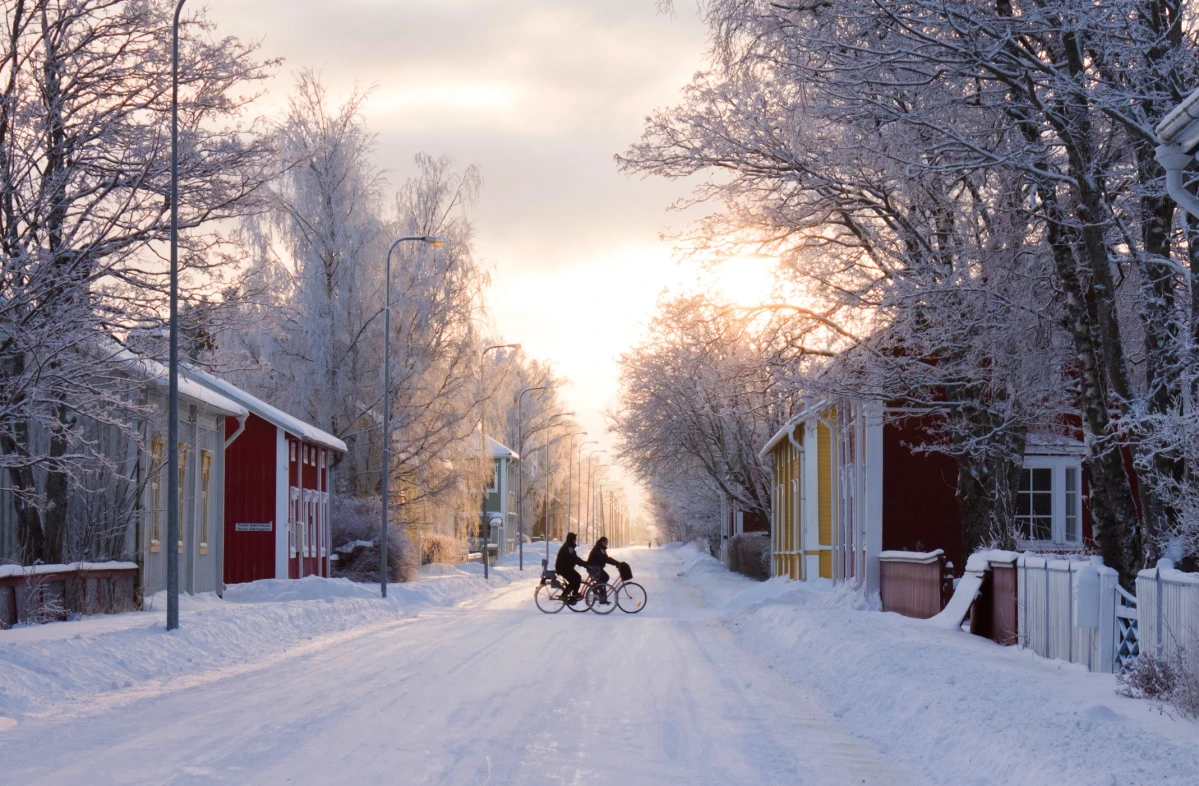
(154, 528)
(293, 515)
(205, 474)
(182, 490)
(1034, 503)
(1049, 501)
(310, 513)
(292, 449)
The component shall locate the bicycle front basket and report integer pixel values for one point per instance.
(626, 573)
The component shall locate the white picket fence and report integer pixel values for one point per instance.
(1168, 602)
(1048, 621)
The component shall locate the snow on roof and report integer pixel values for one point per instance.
(496, 449)
(782, 433)
(154, 372)
(278, 417)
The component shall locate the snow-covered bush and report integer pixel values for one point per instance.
(441, 549)
(1170, 682)
(749, 555)
(356, 521)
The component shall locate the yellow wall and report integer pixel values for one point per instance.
(785, 529)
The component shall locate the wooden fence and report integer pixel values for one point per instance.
(913, 583)
(995, 612)
(1055, 616)
(43, 593)
(1168, 608)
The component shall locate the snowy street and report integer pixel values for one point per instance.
(720, 680)
(491, 691)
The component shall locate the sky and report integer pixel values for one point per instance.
(540, 94)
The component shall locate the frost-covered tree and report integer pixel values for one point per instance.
(973, 183)
(84, 214)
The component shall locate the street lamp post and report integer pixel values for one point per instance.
(173, 522)
(484, 458)
(520, 477)
(590, 507)
(570, 478)
(582, 526)
(547, 481)
(436, 241)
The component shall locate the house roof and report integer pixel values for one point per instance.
(157, 374)
(274, 415)
(496, 449)
(787, 427)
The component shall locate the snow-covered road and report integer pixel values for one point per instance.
(491, 691)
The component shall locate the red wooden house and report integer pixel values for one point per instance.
(277, 486)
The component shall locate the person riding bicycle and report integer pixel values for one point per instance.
(565, 564)
(596, 561)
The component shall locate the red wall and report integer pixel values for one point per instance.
(920, 507)
(250, 498)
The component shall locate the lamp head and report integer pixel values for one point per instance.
(1181, 126)
(437, 241)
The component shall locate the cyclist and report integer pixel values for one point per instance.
(565, 564)
(596, 561)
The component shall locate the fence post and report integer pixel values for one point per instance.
(1070, 613)
(1048, 609)
(1157, 585)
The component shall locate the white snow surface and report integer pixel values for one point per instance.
(720, 680)
(8, 571)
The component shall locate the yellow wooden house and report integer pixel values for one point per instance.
(826, 517)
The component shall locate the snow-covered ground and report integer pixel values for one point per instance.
(720, 680)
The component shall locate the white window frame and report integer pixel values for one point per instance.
(1059, 465)
(293, 513)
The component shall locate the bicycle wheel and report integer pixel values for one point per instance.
(582, 604)
(548, 598)
(601, 605)
(631, 597)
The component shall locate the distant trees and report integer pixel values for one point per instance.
(700, 396)
(84, 210)
(971, 186)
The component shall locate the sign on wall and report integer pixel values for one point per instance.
(254, 527)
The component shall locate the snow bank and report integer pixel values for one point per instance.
(117, 657)
(960, 708)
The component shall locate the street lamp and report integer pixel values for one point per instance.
(484, 458)
(547, 479)
(520, 477)
(570, 477)
(1178, 133)
(580, 449)
(436, 241)
(590, 500)
(173, 522)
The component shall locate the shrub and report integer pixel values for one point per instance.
(1167, 681)
(355, 522)
(749, 555)
(441, 548)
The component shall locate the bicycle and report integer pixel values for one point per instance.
(602, 598)
(550, 595)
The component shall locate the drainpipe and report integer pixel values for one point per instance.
(1174, 161)
(241, 426)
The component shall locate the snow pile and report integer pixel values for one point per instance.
(114, 656)
(958, 707)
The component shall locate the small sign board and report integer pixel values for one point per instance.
(254, 527)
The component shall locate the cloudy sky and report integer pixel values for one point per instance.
(540, 94)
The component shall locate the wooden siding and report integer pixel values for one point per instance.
(920, 507)
(826, 491)
(250, 499)
(787, 523)
(913, 589)
(994, 613)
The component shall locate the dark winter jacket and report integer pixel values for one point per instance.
(598, 557)
(567, 558)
